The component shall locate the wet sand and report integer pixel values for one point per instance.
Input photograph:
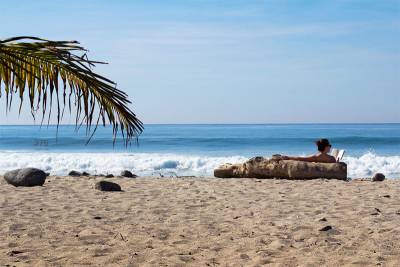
(200, 222)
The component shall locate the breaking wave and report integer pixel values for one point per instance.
(167, 164)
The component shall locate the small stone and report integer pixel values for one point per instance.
(326, 228)
(74, 173)
(378, 177)
(97, 218)
(85, 174)
(128, 174)
(25, 177)
(14, 252)
(323, 219)
(377, 212)
(244, 256)
(387, 196)
(107, 186)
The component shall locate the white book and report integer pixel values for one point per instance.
(338, 154)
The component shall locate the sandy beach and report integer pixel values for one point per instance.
(200, 222)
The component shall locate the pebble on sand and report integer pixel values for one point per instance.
(74, 173)
(326, 228)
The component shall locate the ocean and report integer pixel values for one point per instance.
(195, 149)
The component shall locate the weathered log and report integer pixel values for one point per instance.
(282, 169)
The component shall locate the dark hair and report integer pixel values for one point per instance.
(322, 144)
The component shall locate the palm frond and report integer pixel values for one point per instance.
(47, 69)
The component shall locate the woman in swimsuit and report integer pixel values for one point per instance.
(324, 147)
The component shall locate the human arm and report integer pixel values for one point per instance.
(312, 158)
(323, 158)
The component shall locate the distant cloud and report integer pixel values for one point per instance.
(204, 34)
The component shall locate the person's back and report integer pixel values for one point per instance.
(322, 156)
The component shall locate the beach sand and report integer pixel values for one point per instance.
(200, 222)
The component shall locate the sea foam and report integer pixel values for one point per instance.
(167, 164)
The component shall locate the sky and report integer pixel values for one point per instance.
(228, 61)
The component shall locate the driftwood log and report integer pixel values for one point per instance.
(260, 167)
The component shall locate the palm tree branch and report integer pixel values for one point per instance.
(46, 68)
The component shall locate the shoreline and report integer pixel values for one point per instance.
(200, 222)
(151, 164)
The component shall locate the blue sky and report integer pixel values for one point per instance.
(232, 61)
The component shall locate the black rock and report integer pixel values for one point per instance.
(107, 186)
(85, 174)
(47, 173)
(326, 228)
(14, 252)
(74, 173)
(128, 174)
(25, 177)
(109, 176)
(378, 177)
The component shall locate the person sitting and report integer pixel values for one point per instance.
(322, 156)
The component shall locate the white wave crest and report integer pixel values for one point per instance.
(370, 163)
(167, 164)
(114, 163)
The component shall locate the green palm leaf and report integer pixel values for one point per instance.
(61, 70)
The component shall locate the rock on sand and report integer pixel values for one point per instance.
(378, 177)
(107, 186)
(25, 177)
(128, 174)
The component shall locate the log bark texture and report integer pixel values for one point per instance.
(260, 167)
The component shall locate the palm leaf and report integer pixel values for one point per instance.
(61, 70)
